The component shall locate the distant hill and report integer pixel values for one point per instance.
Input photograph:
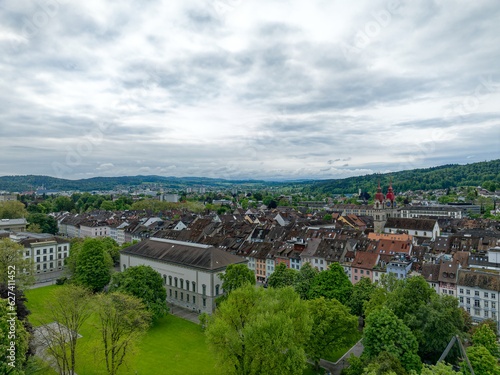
(430, 178)
(441, 177)
(24, 183)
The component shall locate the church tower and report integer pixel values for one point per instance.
(383, 207)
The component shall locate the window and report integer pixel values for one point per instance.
(45, 251)
(27, 253)
(38, 252)
(356, 270)
(187, 285)
(451, 292)
(494, 305)
(321, 261)
(204, 302)
(194, 299)
(316, 261)
(175, 282)
(176, 294)
(194, 287)
(361, 272)
(204, 290)
(182, 284)
(467, 292)
(170, 292)
(164, 279)
(355, 278)
(476, 293)
(217, 290)
(486, 314)
(461, 291)
(38, 267)
(445, 292)
(493, 295)
(44, 266)
(468, 310)
(485, 295)
(187, 297)
(65, 247)
(485, 303)
(182, 296)
(51, 265)
(461, 299)
(493, 314)
(45, 258)
(477, 312)
(65, 255)
(59, 256)
(476, 303)
(51, 257)
(51, 250)
(59, 263)
(368, 272)
(468, 301)
(170, 280)
(38, 259)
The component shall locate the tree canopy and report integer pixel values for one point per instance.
(13, 263)
(145, 283)
(331, 283)
(235, 276)
(384, 331)
(282, 276)
(93, 265)
(259, 331)
(361, 292)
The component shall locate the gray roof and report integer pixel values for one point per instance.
(13, 221)
(184, 253)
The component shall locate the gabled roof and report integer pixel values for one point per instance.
(183, 253)
(478, 279)
(430, 272)
(413, 224)
(365, 260)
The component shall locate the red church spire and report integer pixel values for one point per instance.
(390, 194)
(379, 196)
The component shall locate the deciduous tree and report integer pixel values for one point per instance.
(145, 283)
(485, 336)
(332, 327)
(282, 277)
(361, 292)
(123, 319)
(13, 265)
(384, 331)
(93, 265)
(13, 349)
(304, 279)
(260, 331)
(331, 283)
(481, 360)
(68, 308)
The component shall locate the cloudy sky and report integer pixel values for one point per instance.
(246, 89)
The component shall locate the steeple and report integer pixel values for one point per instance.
(379, 196)
(390, 194)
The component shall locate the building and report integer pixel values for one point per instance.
(189, 270)
(47, 253)
(479, 293)
(383, 208)
(13, 225)
(8, 197)
(435, 211)
(426, 228)
(363, 266)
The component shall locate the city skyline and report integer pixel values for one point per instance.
(236, 89)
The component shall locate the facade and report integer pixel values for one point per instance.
(479, 293)
(189, 270)
(13, 225)
(423, 211)
(426, 228)
(8, 197)
(363, 266)
(48, 254)
(93, 229)
(383, 208)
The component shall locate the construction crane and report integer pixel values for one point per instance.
(462, 350)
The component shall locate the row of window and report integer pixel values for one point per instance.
(51, 257)
(51, 250)
(51, 265)
(477, 303)
(477, 293)
(486, 314)
(176, 294)
(361, 271)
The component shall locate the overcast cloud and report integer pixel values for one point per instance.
(246, 89)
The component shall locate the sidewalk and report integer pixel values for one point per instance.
(183, 313)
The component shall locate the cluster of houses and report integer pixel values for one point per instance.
(456, 255)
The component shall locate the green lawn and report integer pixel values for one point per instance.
(171, 346)
(353, 339)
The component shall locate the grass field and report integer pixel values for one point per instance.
(173, 346)
(353, 339)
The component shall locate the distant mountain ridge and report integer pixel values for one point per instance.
(440, 177)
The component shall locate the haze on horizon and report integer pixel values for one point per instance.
(242, 89)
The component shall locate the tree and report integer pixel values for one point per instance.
(34, 228)
(440, 368)
(408, 295)
(332, 283)
(145, 283)
(123, 319)
(235, 276)
(332, 327)
(93, 265)
(385, 363)
(260, 331)
(384, 331)
(13, 263)
(485, 336)
(63, 204)
(434, 324)
(68, 308)
(481, 360)
(361, 292)
(304, 278)
(328, 217)
(282, 276)
(13, 340)
(47, 223)
(12, 210)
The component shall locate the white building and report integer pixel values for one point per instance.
(48, 253)
(190, 271)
